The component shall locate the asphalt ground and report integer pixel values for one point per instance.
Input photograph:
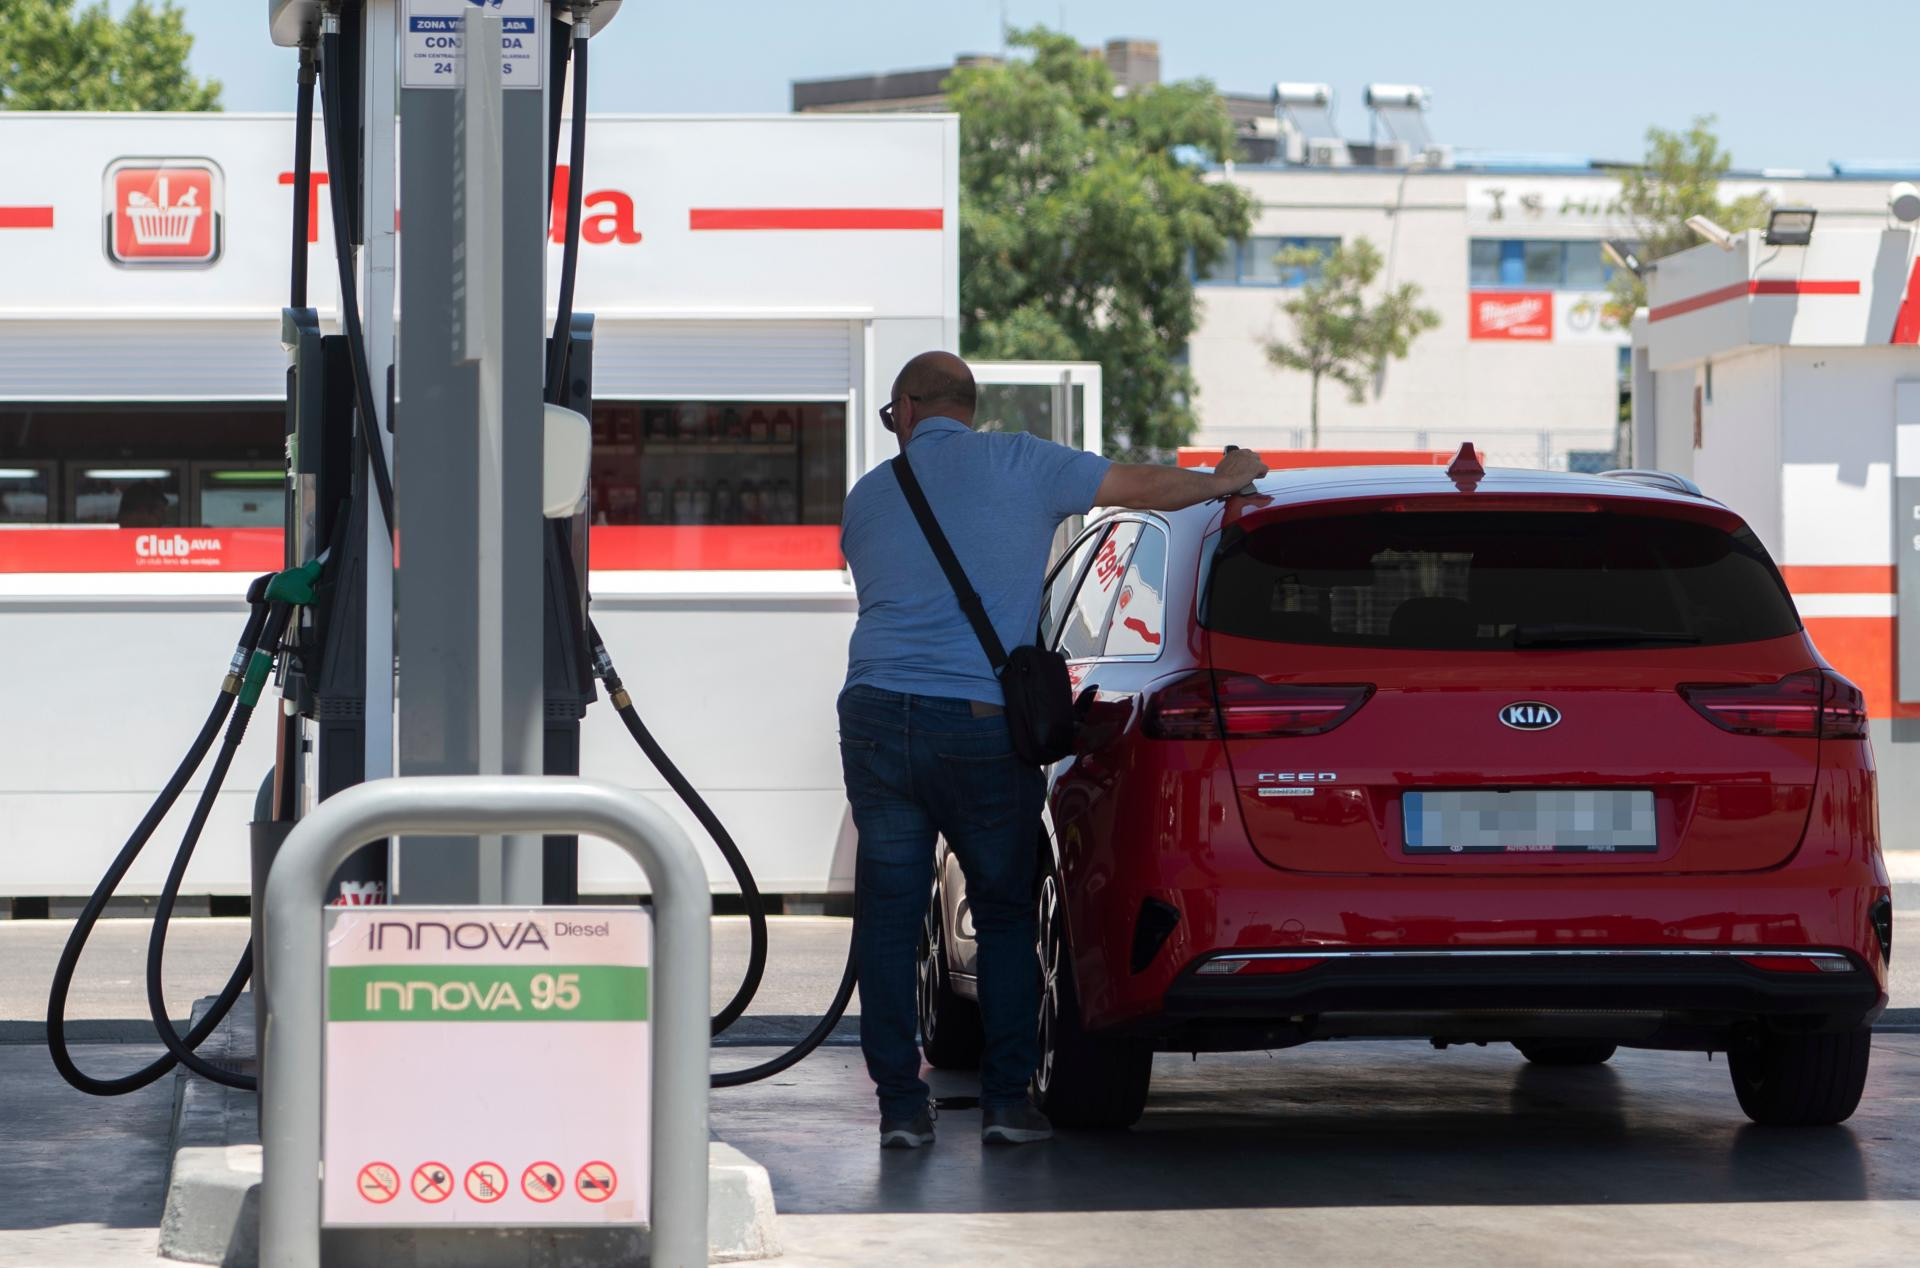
(1354, 1153)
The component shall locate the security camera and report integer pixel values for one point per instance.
(1711, 232)
(1903, 200)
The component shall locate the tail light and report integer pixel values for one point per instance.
(1212, 705)
(1811, 704)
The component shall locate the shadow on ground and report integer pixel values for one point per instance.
(1345, 1125)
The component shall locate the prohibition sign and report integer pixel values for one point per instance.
(378, 1183)
(432, 1182)
(486, 1182)
(543, 1182)
(596, 1182)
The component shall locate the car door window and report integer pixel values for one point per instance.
(1059, 588)
(1085, 627)
(1138, 626)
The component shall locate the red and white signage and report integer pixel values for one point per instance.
(1510, 315)
(163, 211)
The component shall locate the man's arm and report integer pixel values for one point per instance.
(1141, 486)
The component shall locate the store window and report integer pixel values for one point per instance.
(1254, 262)
(719, 463)
(1538, 264)
(143, 465)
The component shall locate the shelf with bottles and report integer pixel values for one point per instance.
(739, 423)
(726, 502)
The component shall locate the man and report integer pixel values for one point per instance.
(923, 737)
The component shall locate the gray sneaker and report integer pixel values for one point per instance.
(1017, 1124)
(907, 1133)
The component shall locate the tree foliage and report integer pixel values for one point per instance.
(1081, 211)
(1680, 177)
(1337, 333)
(56, 57)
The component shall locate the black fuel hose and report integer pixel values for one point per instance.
(275, 626)
(570, 251)
(340, 191)
(69, 961)
(302, 177)
(602, 662)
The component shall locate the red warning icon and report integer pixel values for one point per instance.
(433, 1182)
(596, 1182)
(543, 1182)
(378, 1183)
(486, 1182)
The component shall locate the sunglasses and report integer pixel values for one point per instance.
(886, 412)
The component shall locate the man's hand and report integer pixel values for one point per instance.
(1147, 487)
(1238, 469)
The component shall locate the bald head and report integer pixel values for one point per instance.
(938, 383)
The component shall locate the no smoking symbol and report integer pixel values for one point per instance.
(543, 1182)
(378, 1183)
(432, 1182)
(596, 1182)
(486, 1182)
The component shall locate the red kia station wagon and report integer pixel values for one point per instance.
(1449, 754)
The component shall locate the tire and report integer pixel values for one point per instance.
(1801, 1080)
(1565, 1051)
(950, 1033)
(1084, 1080)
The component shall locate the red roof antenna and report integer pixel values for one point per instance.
(1465, 470)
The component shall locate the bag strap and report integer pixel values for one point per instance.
(963, 590)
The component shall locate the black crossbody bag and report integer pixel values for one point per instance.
(1040, 715)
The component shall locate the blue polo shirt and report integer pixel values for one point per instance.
(999, 496)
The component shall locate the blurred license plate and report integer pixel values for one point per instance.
(1530, 821)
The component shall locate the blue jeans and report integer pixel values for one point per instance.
(917, 766)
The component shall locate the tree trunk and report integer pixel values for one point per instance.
(1314, 414)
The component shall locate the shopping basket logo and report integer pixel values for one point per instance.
(163, 211)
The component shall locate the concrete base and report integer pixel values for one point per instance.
(212, 1211)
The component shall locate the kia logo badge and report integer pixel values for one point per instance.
(1530, 715)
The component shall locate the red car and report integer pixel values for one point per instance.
(1506, 756)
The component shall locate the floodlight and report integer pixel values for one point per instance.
(1790, 227)
(1620, 256)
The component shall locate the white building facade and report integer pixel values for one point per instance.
(1507, 252)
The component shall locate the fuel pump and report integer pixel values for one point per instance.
(310, 619)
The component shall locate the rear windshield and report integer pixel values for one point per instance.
(1496, 581)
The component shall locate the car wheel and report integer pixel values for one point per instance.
(950, 1034)
(1083, 1080)
(1801, 1080)
(1565, 1052)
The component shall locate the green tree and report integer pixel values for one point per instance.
(1680, 177)
(1081, 212)
(1337, 334)
(54, 57)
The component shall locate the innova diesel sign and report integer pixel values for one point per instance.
(487, 1065)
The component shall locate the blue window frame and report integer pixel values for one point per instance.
(1250, 262)
(1538, 264)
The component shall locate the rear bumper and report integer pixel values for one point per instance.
(1706, 988)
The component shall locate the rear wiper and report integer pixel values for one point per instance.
(1591, 635)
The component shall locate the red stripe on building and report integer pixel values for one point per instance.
(26, 217)
(645, 548)
(1838, 578)
(815, 218)
(1906, 324)
(1752, 286)
(721, 548)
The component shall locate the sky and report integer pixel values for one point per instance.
(1794, 84)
